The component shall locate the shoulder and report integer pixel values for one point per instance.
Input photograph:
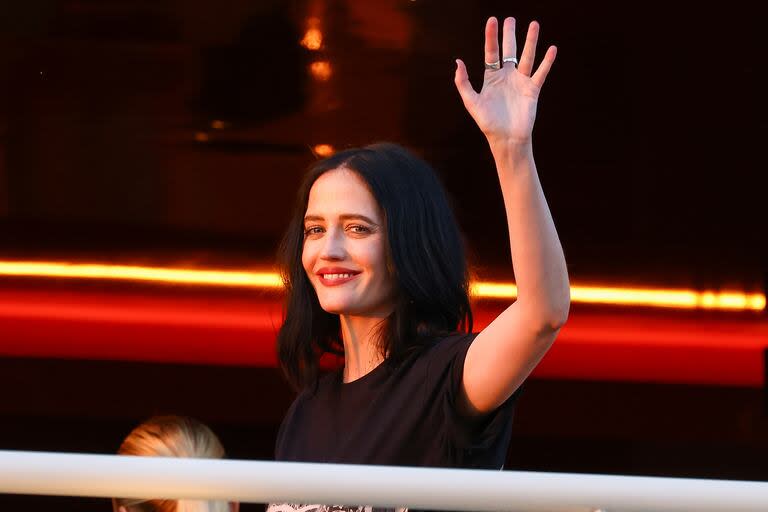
(316, 392)
(444, 359)
(446, 349)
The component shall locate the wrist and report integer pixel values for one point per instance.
(505, 150)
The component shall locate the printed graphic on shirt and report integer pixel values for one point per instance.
(297, 507)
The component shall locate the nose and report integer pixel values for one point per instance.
(333, 246)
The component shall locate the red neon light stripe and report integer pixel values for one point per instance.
(652, 347)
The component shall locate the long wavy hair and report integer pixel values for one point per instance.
(425, 249)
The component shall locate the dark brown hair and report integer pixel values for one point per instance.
(426, 251)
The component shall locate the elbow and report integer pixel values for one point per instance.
(549, 322)
(548, 316)
(557, 315)
(558, 320)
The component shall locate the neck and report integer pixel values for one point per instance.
(361, 351)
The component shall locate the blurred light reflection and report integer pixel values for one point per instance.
(648, 297)
(323, 150)
(321, 70)
(313, 37)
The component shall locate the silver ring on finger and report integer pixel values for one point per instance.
(507, 60)
(493, 66)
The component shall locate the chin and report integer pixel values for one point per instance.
(335, 308)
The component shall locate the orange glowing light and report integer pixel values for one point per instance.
(313, 39)
(321, 70)
(136, 273)
(648, 297)
(323, 150)
(685, 299)
(218, 124)
(201, 137)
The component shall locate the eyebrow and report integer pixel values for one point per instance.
(343, 216)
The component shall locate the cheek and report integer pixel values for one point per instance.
(377, 259)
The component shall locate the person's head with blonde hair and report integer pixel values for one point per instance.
(172, 436)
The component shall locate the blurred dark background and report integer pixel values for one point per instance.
(168, 133)
(170, 127)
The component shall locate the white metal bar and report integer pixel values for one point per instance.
(383, 486)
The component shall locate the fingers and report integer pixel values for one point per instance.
(509, 49)
(492, 40)
(529, 50)
(508, 42)
(541, 74)
(467, 93)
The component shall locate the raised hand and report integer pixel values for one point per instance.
(505, 108)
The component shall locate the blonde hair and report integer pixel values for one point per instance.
(172, 436)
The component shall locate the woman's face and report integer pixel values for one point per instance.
(345, 247)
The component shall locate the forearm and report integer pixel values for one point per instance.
(537, 256)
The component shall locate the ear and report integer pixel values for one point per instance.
(234, 506)
(122, 509)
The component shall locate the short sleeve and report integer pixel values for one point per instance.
(477, 441)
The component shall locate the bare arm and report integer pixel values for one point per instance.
(509, 348)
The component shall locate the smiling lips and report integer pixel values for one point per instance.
(334, 276)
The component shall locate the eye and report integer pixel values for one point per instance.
(357, 228)
(312, 230)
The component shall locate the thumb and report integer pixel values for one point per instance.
(467, 93)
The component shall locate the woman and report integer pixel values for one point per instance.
(375, 271)
(172, 436)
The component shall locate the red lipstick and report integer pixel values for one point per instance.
(336, 270)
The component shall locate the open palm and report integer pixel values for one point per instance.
(505, 107)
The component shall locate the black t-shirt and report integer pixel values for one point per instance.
(402, 416)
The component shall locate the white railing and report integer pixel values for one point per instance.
(63, 474)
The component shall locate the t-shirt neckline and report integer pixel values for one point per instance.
(361, 380)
